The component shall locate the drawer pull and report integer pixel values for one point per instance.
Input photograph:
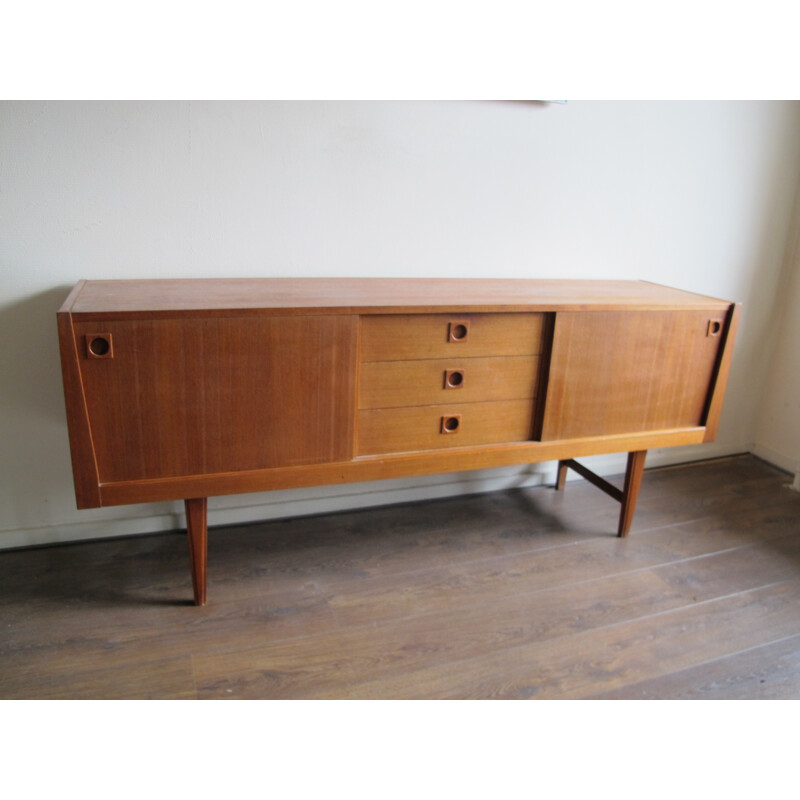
(454, 379)
(451, 424)
(458, 330)
(714, 327)
(99, 345)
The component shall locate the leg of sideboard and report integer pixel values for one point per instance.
(561, 478)
(197, 530)
(633, 482)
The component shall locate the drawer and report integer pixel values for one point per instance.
(397, 430)
(409, 337)
(390, 384)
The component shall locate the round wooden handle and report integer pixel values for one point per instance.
(451, 424)
(458, 330)
(453, 378)
(99, 345)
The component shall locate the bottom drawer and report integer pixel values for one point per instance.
(395, 430)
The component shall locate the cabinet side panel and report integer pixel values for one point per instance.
(199, 396)
(84, 466)
(615, 372)
(721, 377)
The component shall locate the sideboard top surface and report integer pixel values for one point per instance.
(369, 295)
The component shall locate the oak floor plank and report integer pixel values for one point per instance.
(683, 506)
(731, 475)
(766, 672)
(167, 679)
(420, 627)
(701, 573)
(521, 593)
(584, 664)
(109, 644)
(407, 643)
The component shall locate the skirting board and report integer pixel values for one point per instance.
(249, 508)
(780, 460)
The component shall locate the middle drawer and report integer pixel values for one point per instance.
(392, 384)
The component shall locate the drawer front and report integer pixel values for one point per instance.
(390, 384)
(422, 336)
(393, 430)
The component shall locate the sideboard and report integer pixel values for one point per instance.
(186, 389)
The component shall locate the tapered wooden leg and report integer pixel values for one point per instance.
(633, 482)
(197, 530)
(561, 478)
(627, 497)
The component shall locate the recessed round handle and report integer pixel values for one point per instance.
(451, 424)
(99, 345)
(454, 379)
(458, 330)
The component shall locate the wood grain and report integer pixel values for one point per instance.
(602, 658)
(510, 594)
(391, 384)
(213, 390)
(765, 672)
(189, 389)
(84, 464)
(197, 535)
(159, 298)
(630, 492)
(393, 430)
(381, 467)
(408, 337)
(186, 397)
(166, 679)
(628, 371)
(722, 370)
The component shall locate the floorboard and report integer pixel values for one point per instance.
(516, 595)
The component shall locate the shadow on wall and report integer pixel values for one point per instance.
(31, 365)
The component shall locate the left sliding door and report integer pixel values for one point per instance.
(205, 395)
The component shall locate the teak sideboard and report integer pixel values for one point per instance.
(186, 389)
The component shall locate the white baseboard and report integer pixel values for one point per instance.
(781, 460)
(242, 509)
(248, 508)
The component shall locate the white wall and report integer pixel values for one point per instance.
(777, 434)
(696, 195)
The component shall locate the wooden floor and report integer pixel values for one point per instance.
(518, 594)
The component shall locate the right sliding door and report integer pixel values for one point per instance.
(615, 372)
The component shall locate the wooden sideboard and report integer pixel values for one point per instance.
(185, 389)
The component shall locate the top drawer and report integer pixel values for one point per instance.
(399, 337)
